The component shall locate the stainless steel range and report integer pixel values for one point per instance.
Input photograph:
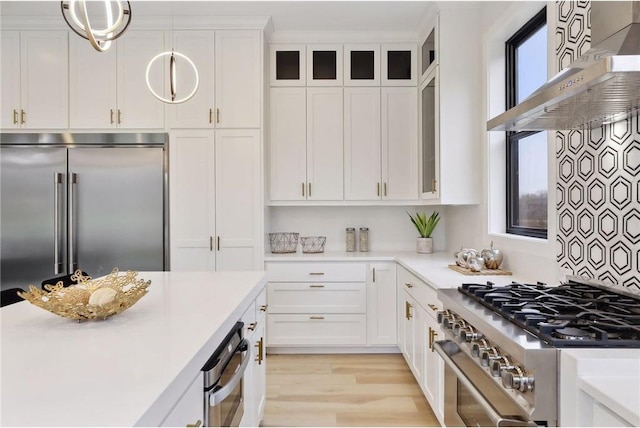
(502, 349)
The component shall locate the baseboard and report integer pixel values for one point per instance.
(334, 350)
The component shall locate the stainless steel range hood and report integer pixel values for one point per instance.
(602, 86)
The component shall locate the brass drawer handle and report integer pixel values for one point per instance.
(210, 115)
(263, 308)
(198, 424)
(15, 116)
(23, 118)
(316, 318)
(433, 307)
(252, 326)
(408, 285)
(316, 286)
(316, 273)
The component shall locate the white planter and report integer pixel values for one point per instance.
(424, 245)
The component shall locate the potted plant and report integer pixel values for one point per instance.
(425, 226)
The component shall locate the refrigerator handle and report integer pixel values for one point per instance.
(73, 265)
(57, 237)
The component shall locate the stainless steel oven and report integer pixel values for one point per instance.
(223, 373)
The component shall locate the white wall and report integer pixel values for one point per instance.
(390, 228)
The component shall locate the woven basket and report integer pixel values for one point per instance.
(283, 242)
(313, 244)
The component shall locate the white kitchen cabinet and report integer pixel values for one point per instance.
(414, 345)
(189, 410)
(429, 48)
(362, 64)
(35, 80)
(399, 64)
(324, 144)
(317, 330)
(430, 136)
(381, 304)
(306, 144)
(314, 298)
(324, 65)
(215, 192)
(287, 64)
(399, 143)
(433, 373)
(254, 382)
(109, 90)
(288, 144)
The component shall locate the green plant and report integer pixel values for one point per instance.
(425, 225)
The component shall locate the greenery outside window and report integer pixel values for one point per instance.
(527, 177)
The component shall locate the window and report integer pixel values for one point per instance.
(526, 63)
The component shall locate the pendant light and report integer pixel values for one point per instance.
(100, 39)
(173, 58)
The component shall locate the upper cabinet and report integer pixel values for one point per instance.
(121, 99)
(288, 65)
(399, 64)
(430, 133)
(34, 80)
(230, 70)
(362, 64)
(324, 65)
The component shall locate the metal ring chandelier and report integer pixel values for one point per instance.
(100, 39)
(173, 77)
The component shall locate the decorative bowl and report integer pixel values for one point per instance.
(90, 299)
(313, 244)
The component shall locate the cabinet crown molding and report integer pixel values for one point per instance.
(342, 37)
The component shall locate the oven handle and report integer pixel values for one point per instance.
(220, 395)
(497, 419)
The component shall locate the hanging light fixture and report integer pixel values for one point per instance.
(100, 39)
(173, 74)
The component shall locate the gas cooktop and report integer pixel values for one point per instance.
(573, 314)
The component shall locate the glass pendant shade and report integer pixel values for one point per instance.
(76, 15)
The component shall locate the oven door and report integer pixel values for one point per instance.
(225, 403)
(471, 397)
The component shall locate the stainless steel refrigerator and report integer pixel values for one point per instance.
(81, 201)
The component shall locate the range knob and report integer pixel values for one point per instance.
(440, 316)
(479, 346)
(449, 321)
(459, 325)
(469, 334)
(487, 357)
(499, 365)
(516, 378)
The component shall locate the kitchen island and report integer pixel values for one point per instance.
(127, 370)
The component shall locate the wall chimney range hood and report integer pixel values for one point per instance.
(600, 87)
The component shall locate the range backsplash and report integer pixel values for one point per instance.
(598, 186)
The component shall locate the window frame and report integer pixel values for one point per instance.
(538, 21)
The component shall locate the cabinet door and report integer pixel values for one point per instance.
(137, 108)
(10, 79)
(408, 309)
(429, 51)
(288, 65)
(419, 320)
(287, 144)
(433, 384)
(189, 410)
(399, 64)
(238, 201)
(363, 179)
(238, 66)
(92, 86)
(324, 65)
(192, 208)
(44, 79)
(198, 112)
(324, 144)
(381, 304)
(400, 143)
(430, 136)
(362, 65)
(260, 371)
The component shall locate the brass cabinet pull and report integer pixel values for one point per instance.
(430, 337)
(309, 189)
(210, 115)
(316, 318)
(211, 243)
(433, 307)
(198, 424)
(302, 189)
(260, 345)
(316, 286)
(23, 117)
(433, 186)
(218, 243)
(408, 285)
(15, 116)
(263, 308)
(316, 273)
(111, 116)
(374, 274)
(407, 310)
(252, 326)
(385, 189)
(119, 117)
(217, 115)
(378, 189)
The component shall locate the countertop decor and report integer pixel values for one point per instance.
(467, 271)
(90, 299)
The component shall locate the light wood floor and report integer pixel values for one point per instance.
(343, 390)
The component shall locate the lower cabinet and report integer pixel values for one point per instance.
(381, 304)
(189, 409)
(254, 382)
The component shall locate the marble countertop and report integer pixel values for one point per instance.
(124, 371)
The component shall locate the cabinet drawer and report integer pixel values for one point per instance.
(325, 272)
(249, 319)
(424, 294)
(316, 298)
(316, 330)
(261, 304)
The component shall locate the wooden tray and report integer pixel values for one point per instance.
(467, 271)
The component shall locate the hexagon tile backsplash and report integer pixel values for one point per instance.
(598, 186)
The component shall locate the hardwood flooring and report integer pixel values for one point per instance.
(343, 390)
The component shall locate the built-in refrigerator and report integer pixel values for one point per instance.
(81, 201)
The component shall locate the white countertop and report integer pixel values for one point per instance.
(431, 268)
(621, 394)
(126, 370)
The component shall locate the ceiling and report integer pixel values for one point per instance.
(387, 16)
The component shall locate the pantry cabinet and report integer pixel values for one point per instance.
(34, 80)
(109, 89)
(215, 190)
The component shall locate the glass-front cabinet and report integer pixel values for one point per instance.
(430, 136)
(428, 52)
(324, 65)
(288, 65)
(361, 64)
(399, 64)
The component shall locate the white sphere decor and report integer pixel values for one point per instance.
(172, 77)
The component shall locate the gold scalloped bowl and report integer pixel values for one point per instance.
(90, 299)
